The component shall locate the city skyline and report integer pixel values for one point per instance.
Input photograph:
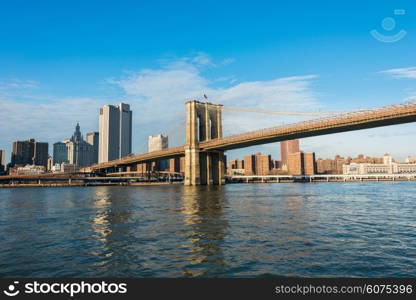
(76, 150)
(301, 160)
(411, 155)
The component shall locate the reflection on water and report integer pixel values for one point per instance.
(320, 229)
(202, 209)
(100, 223)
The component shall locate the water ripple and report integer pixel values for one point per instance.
(255, 230)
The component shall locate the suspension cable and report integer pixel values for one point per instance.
(290, 113)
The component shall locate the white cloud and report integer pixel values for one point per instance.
(49, 121)
(157, 97)
(202, 59)
(402, 72)
(18, 84)
(227, 61)
(162, 93)
(280, 93)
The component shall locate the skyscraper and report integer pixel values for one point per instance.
(286, 148)
(2, 161)
(93, 139)
(22, 152)
(115, 132)
(60, 153)
(79, 151)
(75, 151)
(30, 152)
(41, 154)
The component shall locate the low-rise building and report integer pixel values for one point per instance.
(410, 160)
(335, 166)
(69, 168)
(56, 168)
(27, 170)
(65, 168)
(389, 166)
(232, 172)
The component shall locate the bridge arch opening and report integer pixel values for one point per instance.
(210, 129)
(200, 129)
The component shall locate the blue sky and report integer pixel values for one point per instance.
(61, 60)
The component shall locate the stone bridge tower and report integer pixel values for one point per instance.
(203, 122)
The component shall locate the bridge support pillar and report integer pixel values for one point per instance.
(214, 170)
(203, 122)
(192, 169)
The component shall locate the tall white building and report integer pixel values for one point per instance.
(157, 142)
(115, 132)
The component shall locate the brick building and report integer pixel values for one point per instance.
(287, 148)
(263, 163)
(309, 163)
(335, 166)
(300, 163)
(250, 165)
(295, 163)
(177, 164)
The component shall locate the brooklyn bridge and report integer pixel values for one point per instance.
(205, 145)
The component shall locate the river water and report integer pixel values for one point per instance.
(239, 230)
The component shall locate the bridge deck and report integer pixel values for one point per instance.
(144, 157)
(383, 116)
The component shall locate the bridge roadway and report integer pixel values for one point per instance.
(362, 119)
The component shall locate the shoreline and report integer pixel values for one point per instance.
(30, 185)
(318, 181)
